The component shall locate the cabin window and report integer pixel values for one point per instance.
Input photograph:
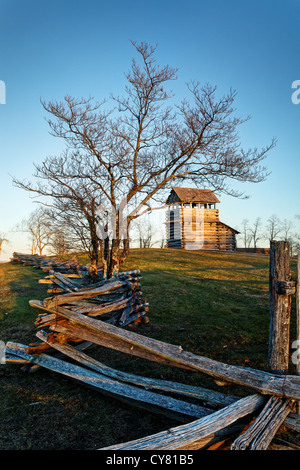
(171, 225)
(194, 205)
(211, 206)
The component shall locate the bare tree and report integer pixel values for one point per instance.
(38, 226)
(143, 231)
(2, 241)
(286, 229)
(297, 238)
(290, 236)
(145, 235)
(255, 231)
(246, 233)
(59, 243)
(273, 228)
(69, 227)
(296, 245)
(119, 163)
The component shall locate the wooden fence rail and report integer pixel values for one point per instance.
(277, 391)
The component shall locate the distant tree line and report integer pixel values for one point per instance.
(255, 233)
(49, 234)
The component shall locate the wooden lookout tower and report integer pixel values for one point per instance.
(192, 221)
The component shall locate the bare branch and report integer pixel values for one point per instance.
(137, 150)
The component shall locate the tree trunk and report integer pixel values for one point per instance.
(112, 257)
(114, 265)
(93, 267)
(124, 253)
(94, 249)
(94, 258)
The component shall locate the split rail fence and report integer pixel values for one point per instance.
(77, 316)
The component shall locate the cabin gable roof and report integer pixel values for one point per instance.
(192, 195)
(229, 228)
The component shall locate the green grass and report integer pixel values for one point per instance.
(17, 286)
(212, 304)
(215, 304)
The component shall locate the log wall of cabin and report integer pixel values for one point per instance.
(193, 228)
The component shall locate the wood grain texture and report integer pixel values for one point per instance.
(110, 336)
(192, 435)
(261, 432)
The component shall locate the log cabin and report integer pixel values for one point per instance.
(192, 221)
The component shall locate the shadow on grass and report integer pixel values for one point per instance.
(20, 285)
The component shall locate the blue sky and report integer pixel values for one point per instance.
(83, 48)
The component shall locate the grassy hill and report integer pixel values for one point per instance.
(213, 304)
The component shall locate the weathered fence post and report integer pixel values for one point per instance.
(298, 311)
(280, 307)
(298, 325)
